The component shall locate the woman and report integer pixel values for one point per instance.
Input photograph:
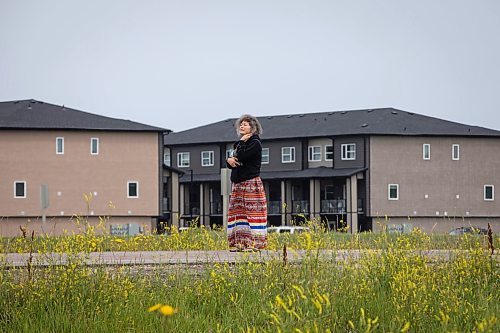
(247, 217)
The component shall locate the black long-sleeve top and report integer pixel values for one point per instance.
(249, 155)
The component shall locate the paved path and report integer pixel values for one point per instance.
(11, 260)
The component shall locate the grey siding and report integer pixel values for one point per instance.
(275, 163)
(195, 158)
(359, 162)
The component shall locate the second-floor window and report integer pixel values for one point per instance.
(265, 155)
(183, 160)
(287, 154)
(132, 189)
(393, 192)
(489, 192)
(426, 151)
(94, 146)
(207, 158)
(314, 153)
(60, 145)
(349, 151)
(19, 189)
(328, 153)
(455, 152)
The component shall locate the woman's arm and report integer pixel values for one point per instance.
(250, 150)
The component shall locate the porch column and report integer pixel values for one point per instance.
(202, 206)
(283, 207)
(182, 195)
(175, 211)
(352, 203)
(288, 201)
(314, 198)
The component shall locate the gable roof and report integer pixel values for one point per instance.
(32, 114)
(386, 121)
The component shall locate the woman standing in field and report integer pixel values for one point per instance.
(247, 217)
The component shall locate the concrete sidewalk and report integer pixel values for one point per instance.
(12, 260)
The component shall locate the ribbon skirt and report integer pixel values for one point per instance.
(247, 216)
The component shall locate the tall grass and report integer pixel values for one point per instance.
(393, 289)
(89, 240)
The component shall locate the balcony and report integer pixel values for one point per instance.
(300, 206)
(333, 206)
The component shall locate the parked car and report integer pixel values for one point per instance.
(468, 230)
(288, 229)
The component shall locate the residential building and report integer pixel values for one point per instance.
(59, 163)
(354, 170)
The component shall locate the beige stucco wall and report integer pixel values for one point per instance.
(438, 189)
(123, 156)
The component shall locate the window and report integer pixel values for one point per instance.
(132, 189)
(314, 153)
(59, 145)
(94, 146)
(19, 189)
(328, 153)
(489, 192)
(167, 159)
(229, 153)
(265, 155)
(207, 158)
(455, 152)
(426, 151)
(183, 160)
(287, 154)
(349, 151)
(393, 191)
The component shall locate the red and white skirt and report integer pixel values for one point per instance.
(247, 216)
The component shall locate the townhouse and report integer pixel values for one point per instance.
(59, 163)
(353, 170)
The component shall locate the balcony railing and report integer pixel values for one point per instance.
(165, 205)
(195, 209)
(360, 205)
(274, 207)
(300, 206)
(333, 206)
(215, 207)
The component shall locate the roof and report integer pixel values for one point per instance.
(320, 172)
(386, 121)
(171, 168)
(32, 114)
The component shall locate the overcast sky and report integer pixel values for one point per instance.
(182, 64)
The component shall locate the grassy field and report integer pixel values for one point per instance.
(398, 291)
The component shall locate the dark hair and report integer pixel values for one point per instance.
(253, 121)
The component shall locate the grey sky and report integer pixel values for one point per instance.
(182, 64)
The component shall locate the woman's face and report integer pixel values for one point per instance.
(245, 128)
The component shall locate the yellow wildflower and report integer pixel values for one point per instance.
(167, 310)
(154, 307)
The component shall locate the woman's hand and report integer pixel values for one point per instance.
(233, 161)
(245, 137)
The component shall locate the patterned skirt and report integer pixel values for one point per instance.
(247, 216)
